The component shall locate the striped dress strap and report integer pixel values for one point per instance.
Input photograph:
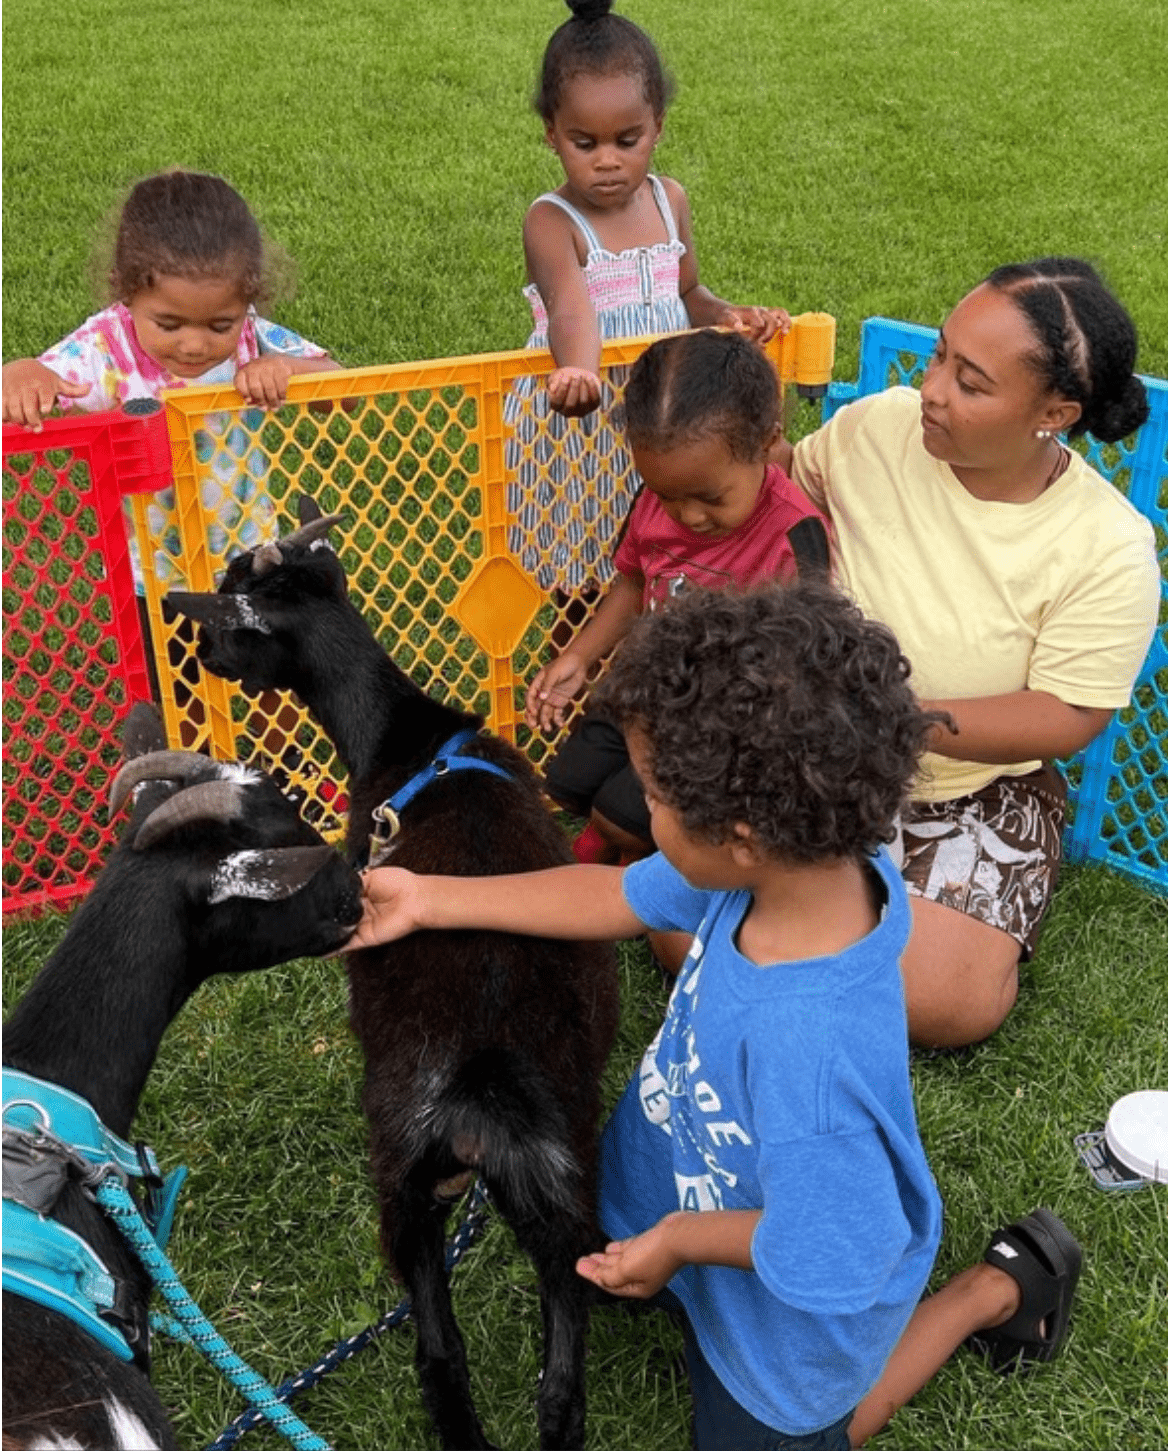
(663, 203)
(592, 241)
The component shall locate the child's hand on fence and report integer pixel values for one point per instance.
(31, 391)
(633, 1268)
(574, 391)
(552, 691)
(761, 324)
(264, 381)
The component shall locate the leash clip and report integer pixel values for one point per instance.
(386, 828)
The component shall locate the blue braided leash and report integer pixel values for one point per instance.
(460, 1242)
(195, 1327)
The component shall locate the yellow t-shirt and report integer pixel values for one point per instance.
(1059, 594)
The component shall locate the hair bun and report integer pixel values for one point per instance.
(588, 11)
(1118, 417)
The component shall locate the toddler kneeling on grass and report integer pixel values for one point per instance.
(763, 1175)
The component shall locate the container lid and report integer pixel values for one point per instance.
(1137, 1133)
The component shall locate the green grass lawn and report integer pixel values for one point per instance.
(852, 156)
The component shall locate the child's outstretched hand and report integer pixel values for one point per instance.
(574, 391)
(264, 381)
(552, 691)
(391, 907)
(761, 324)
(634, 1268)
(31, 391)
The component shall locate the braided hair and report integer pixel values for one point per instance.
(1086, 342)
(597, 43)
(703, 384)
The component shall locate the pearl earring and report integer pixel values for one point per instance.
(1043, 433)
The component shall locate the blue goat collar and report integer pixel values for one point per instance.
(448, 757)
(49, 1133)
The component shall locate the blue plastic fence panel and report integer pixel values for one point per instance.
(1117, 785)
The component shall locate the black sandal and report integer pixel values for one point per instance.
(1044, 1259)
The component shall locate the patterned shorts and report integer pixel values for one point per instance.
(993, 855)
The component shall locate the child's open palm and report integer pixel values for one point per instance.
(634, 1268)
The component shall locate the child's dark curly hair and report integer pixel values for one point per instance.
(783, 708)
(703, 384)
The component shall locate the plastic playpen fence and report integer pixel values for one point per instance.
(476, 527)
(1117, 785)
(468, 547)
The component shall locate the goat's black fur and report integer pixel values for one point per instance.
(140, 944)
(483, 1050)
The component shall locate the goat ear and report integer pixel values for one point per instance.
(270, 875)
(142, 731)
(228, 612)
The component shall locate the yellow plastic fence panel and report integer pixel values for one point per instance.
(476, 534)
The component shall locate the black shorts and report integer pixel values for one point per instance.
(592, 771)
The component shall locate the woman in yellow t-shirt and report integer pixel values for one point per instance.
(1022, 587)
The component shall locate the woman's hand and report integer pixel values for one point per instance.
(552, 691)
(761, 324)
(391, 907)
(574, 391)
(31, 391)
(634, 1268)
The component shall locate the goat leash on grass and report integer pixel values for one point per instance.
(459, 1243)
(116, 1201)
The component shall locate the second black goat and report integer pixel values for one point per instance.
(483, 1050)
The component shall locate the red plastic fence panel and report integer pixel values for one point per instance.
(73, 652)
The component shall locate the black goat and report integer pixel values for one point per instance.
(483, 1050)
(215, 873)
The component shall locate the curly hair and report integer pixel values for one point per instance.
(1086, 341)
(595, 43)
(193, 225)
(703, 384)
(780, 707)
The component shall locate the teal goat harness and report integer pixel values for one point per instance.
(51, 1136)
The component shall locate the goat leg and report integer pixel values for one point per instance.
(554, 1240)
(440, 1356)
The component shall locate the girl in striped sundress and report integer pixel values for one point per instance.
(609, 255)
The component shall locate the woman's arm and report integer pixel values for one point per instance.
(550, 251)
(582, 903)
(638, 1268)
(1022, 726)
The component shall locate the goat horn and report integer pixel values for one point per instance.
(208, 801)
(266, 558)
(307, 509)
(312, 531)
(186, 766)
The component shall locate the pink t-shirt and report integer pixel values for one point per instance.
(668, 556)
